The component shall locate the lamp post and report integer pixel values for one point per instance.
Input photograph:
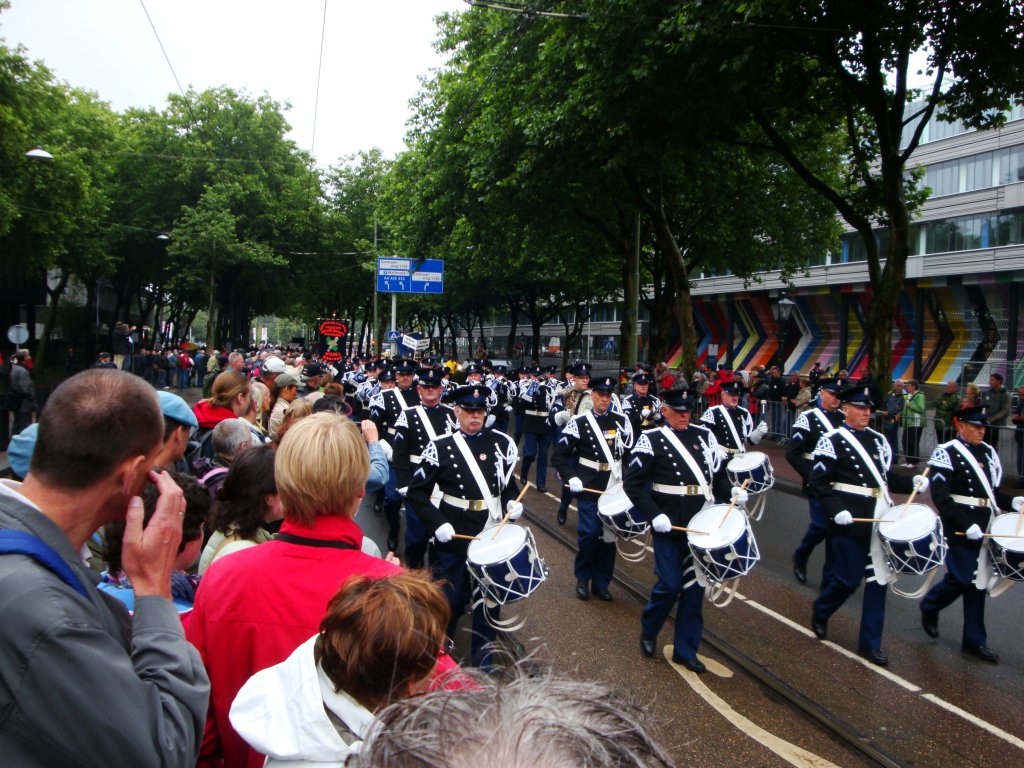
(783, 310)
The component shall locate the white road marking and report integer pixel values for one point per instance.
(788, 751)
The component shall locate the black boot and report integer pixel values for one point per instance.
(524, 473)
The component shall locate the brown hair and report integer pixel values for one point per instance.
(228, 385)
(382, 636)
(93, 422)
(241, 505)
(321, 466)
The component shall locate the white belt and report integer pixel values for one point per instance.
(809, 456)
(542, 414)
(858, 490)
(473, 505)
(680, 490)
(970, 501)
(391, 430)
(600, 466)
(415, 459)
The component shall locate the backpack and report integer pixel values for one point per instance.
(212, 480)
(199, 449)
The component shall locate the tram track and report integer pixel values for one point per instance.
(812, 710)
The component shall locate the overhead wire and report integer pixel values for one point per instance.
(167, 58)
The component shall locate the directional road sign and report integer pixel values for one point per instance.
(429, 277)
(396, 275)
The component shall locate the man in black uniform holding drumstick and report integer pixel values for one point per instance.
(850, 475)
(965, 488)
(672, 472)
(474, 469)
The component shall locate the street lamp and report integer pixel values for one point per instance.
(782, 310)
(38, 153)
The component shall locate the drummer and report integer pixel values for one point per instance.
(474, 469)
(589, 453)
(807, 430)
(672, 473)
(732, 424)
(642, 408)
(965, 488)
(851, 477)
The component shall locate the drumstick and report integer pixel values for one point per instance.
(873, 520)
(1020, 519)
(732, 504)
(465, 536)
(993, 535)
(526, 487)
(688, 530)
(912, 495)
(588, 490)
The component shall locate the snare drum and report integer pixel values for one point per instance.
(725, 551)
(914, 543)
(616, 511)
(506, 567)
(754, 466)
(1004, 548)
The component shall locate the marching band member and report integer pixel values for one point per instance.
(673, 471)
(810, 426)
(851, 476)
(535, 396)
(570, 400)
(964, 486)
(642, 408)
(474, 469)
(589, 453)
(732, 424)
(414, 429)
(503, 393)
(385, 408)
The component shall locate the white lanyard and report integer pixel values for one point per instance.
(401, 399)
(690, 461)
(982, 474)
(824, 421)
(732, 427)
(849, 437)
(427, 425)
(609, 459)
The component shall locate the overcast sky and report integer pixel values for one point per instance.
(373, 53)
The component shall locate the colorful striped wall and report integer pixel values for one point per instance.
(965, 320)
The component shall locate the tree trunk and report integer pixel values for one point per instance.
(631, 292)
(51, 318)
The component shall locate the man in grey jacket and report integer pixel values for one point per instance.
(21, 395)
(997, 409)
(81, 682)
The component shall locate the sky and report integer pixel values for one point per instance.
(373, 53)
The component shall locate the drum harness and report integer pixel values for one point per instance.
(985, 577)
(756, 511)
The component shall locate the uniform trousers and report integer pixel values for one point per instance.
(595, 560)
(961, 562)
(417, 537)
(458, 587)
(535, 448)
(673, 566)
(816, 533)
(850, 556)
(392, 505)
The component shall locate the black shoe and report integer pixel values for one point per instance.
(875, 657)
(602, 594)
(582, 592)
(647, 646)
(820, 628)
(982, 652)
(393, 544)
(694, 665)
(800, 571)
(563, 515)
(930, 623)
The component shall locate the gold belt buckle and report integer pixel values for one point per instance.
(982, 502)
(692, 490)
(876, 493)
(477, 505)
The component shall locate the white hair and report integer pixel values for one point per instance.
(230, 436)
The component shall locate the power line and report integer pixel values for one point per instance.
(319, 70)
(167, 58)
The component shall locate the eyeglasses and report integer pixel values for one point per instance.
(447, 646)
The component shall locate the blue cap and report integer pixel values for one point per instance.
(430, 377)
(734, 387)
(19, 452)
(474, 368)
(176, 409)
(972, 414)
(405, 366)
(386, 375)
(471, 396)
(834, 386)
(677, 399)
(643, 378)
(857, 395)
(604, 384)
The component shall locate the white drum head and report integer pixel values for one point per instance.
(919, 521)
(1002, 528)
(489, 549)
(613, 501)
(747, 461)
(714, 535)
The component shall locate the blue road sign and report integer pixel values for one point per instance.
(428, 277)
(396, 275)
(394, 336)
(609, 345)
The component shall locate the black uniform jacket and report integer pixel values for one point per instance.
(445, 466)
(633, 406)
(952, 474)
(715, 419)
(655, 461)
(387, 405)
(807, 431)
(836, 461)
(411, 437)
(578, 450)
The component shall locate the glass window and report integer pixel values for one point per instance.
(978, 171)
(1010, 164)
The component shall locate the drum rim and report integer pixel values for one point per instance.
(746, 456)
(934, 528)
(504, 539)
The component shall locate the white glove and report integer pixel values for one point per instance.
(387, 450)
(562, 418)
(740, 495)
(514, 509)
(762, 428)
(661, 524)
(403, 491)
(973, 533)
(1017, 503)
(645, 412)
(844, 518)
(508, 409)
(489, 421)
(923, 482)
(444, 534)
(575, 485)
